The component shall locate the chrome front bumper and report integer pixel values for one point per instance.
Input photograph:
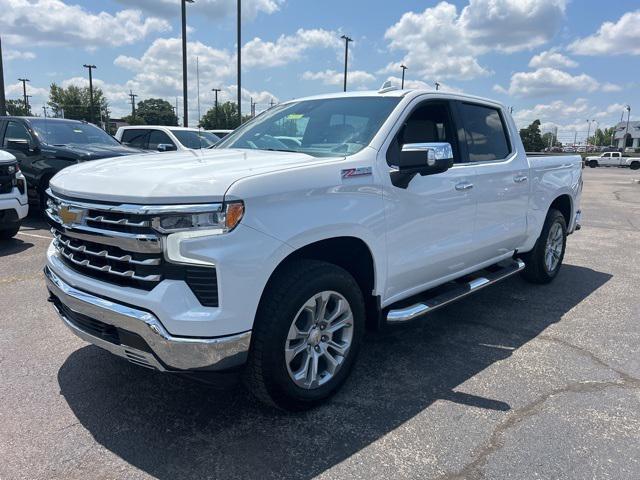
(165, 352)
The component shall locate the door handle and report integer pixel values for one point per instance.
(520, 178)
(462, 186)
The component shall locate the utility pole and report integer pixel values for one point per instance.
(184, 63)
(626, 131)
(575, 138)
(586, 143)
(252, 107)
(238, 55)
(24, 94)
(3, 100)
(44, 109)
(437, 86)
(90, 67)
(133, 96)
(176, 111)
(403, 69)
(198, 87)
(215, 104)
(346, 58)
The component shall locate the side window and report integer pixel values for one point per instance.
(429, 122)
(16, 131)
(485, 133)
(158, 137)
(606, 155)
(134, 137)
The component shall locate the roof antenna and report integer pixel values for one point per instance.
(387, 86)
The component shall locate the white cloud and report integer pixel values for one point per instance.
(210, 8)
(553, 111)
(332, 77)
(9, 55)
(553, 59)
(620, 38)
(53, 22)
(287, 48)
(440, 43)
(551, 81)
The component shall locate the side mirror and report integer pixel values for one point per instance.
(425, 158)
(18, 144)
(167, 147)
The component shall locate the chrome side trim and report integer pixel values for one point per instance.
(140, 209)
(406, 314)
(176, 353)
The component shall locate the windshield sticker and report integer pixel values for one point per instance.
(356, 172)
(294, 116)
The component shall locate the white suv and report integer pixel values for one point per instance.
(13, 196)
(165, 139)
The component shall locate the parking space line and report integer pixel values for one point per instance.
(34, 235)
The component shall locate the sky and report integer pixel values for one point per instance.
(565, 62)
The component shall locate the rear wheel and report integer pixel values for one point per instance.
(306, 335)
(634, 165)
(544, 261)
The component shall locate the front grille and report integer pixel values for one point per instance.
(121, 248)
(7, 177)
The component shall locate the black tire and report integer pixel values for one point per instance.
(536, 270)
(593, 163)
(634, 165)
(9, 233)
(266, 373)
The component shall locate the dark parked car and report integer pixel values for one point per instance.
(44, 146)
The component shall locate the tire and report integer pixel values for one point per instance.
(9, 233)
(634, 165)
(537, 269)
(269, 373)
(593, 163)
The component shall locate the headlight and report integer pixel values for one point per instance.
(225, 219)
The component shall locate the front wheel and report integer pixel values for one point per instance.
(593, 163)
(306, 335)
(9, 233)
(544, 261)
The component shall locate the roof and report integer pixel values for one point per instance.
(621, 129)
(53, 119)
(168, 127)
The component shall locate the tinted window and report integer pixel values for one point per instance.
(136, 137)
(196, 139)
(158, 137)
(60, 132)
(484, 132)
(16, 131)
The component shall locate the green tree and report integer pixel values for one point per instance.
(531, 137)
(75, 102)
(602, 137)
(134, 119)
(156, 111)
(17, 108)
(227, 117)
(549, 140)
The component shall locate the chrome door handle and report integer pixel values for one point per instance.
(462, 186)
(520, 178)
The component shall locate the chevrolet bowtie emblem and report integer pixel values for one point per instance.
(69, 215)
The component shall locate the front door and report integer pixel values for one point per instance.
(430, 220)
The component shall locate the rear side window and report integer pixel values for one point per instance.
(485, 133)
(158, 137)
(138, 138)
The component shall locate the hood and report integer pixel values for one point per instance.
(6, 158)
(91, 151)
(177, 177)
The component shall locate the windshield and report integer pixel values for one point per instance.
(196, 139)
(332, 127)
(59, 132)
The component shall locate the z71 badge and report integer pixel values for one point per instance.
(356, 172)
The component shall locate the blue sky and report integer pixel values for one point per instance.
(587, 70)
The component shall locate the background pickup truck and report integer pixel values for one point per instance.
(269, 259)
(613, 159)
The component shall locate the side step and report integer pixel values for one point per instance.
(428, 304)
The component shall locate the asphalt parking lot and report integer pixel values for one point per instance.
(518, 381)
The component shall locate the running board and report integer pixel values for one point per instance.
(429, 304)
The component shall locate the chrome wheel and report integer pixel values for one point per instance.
(319, 339)
(553, 248)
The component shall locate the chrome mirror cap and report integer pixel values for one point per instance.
(434, 150)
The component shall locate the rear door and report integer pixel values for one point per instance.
(501, 181)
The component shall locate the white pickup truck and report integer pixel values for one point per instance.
(269, 260)
(612, 159)
(13, 196)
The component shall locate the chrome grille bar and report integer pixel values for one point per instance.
(103, 253)
(121, 221)
(108, 269)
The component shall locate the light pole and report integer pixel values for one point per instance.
(215, 91)
(239, 58)
(3, 101)
(437, 86)
(346, 58)
(184, 62)
(626, 130)
(586, 143)
(403, 69)
(24, 94)
(90, 67)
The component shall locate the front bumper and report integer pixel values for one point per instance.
(15, 201)
(138, 335)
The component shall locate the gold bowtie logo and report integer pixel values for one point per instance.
(69, 215)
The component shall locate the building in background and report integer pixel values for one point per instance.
(630, 139)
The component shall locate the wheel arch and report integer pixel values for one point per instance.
(564, 204)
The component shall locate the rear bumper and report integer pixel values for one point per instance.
(138, 335)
